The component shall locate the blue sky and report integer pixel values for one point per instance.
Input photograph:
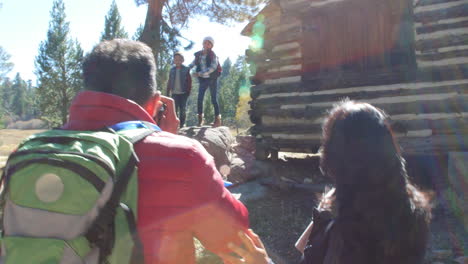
(24, 24)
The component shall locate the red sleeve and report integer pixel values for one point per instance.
(220, 216)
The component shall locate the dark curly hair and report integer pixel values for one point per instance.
(122, 67)
(381, 216)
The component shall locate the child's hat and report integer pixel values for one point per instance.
(178, 53)
(210, 39)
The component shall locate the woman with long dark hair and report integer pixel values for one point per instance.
(374, 214)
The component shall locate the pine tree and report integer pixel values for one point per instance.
(232, 82)
(5, 65)
(18, 97)
(5, 96)
(243, 94)
(58, 68)
(112, 25)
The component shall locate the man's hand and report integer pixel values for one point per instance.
(168, 121)
(252, 252)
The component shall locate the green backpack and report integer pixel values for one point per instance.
(70, 197)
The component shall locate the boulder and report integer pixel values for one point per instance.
(217, 141)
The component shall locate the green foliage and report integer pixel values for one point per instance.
(113, 24)
(58, 68)
(138, 33)
(178, 12)
(5, 65)
(18, 97)
(18, 100)
(231, 89)
(5, 96)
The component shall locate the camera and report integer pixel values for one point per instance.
(160, 113)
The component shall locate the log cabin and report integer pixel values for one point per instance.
(407, 57)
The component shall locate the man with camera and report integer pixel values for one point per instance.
(181, 193)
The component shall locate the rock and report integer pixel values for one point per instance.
(217, 141)
(246, 143)
(242, 163)
(249, 191)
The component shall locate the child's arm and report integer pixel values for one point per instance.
(192, 64)
(213, 66)
(189, 82)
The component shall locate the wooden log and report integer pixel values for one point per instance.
(444, 41)
(434, 144)
(281, 121)
(311, 145)
(310, 97)
(443, 62)
(444, 13)
(437, 126)
(409, 145)
(442, 55)
(285, 26)
(263, 76)
(306, 89)
(278, 63)
(291, 67)
(289, 79)
(291, 129)
(432, 2)
(440, 6)
(443, 26)
(286, 46)
(275, 39)
(265, 55)
(352, 78)
(438, 73)
(455, 104)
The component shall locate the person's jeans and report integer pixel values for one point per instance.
(180, 106)
(206, 83)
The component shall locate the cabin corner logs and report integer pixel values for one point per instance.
(408, 57)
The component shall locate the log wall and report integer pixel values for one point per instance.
(441, 33)
(422, 113)
(428, 114)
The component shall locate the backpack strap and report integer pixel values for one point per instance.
(317, 244)
(101, 232)
(147, 129)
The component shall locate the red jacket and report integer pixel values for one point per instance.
(181, 193)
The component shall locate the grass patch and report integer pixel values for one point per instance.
(10, 138)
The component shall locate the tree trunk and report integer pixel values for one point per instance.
(152, 30)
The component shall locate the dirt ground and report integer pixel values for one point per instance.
(280, 215)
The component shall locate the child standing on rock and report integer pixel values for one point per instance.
(179, 86)
(207, 70)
